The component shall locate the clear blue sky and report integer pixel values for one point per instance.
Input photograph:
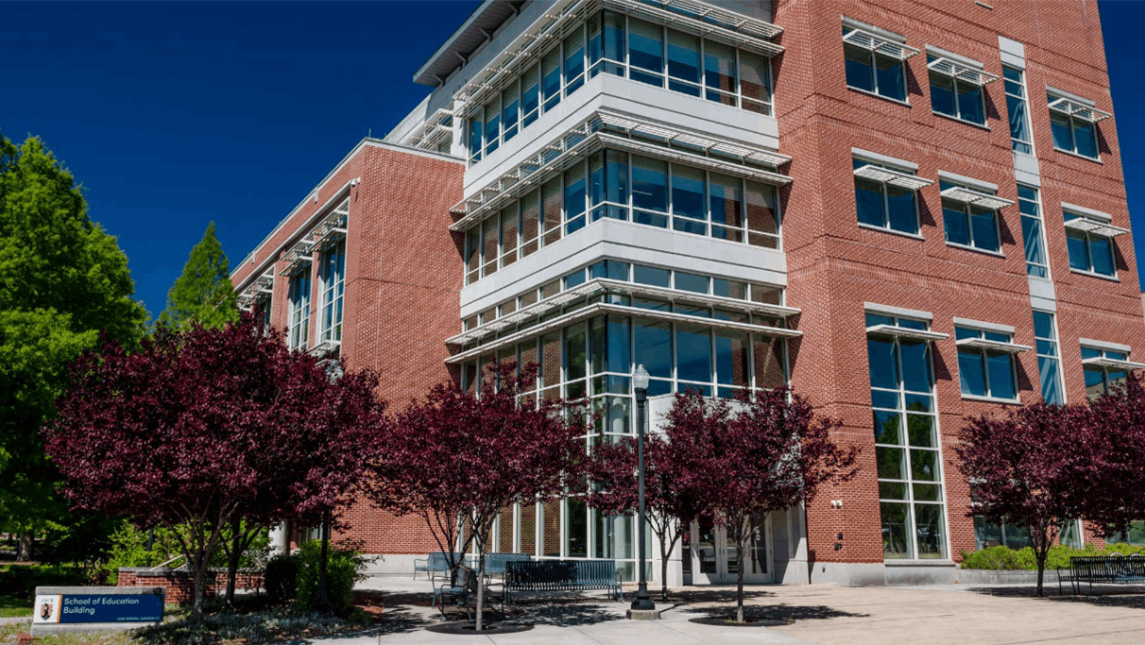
(173, 115)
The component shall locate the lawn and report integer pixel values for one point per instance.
(13, 605)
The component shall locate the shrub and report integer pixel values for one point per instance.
(1000, 558)
(281, 578)
(342, 571)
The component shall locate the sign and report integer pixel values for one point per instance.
(113, 607)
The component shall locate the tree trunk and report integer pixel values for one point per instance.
(197, 606)
(480, 584)
(24, 546)
(665, 555)
(233, 562)
(739, 573)
(1041, 557)
(323, 598)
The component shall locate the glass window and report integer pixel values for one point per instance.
(763, 215)
(956, 97)
(692, 282)
(510, 109)
(985, 372)
(755, 82)
(968, 225)
(574, 61)
(725, 202)
(531, 95)
(492, 126)
(333, 276)
(683, 63)
(688, 200)
(509, 232)
(906, 446)
(1033, 232)
(1018, 108)
(299, 319)
(574, 199)
(551, 78)
(884, 206)
(1089, 252)
(694, 356)
(1072, 133)
(551, 210)
(1099, 379)
(646, 52)
(720, 72)
(649, 191)
(476, 137)
(874, 72)
(652, 276)
(1135, 536)
(1049, 360)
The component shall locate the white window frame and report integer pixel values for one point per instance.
(1024, 98)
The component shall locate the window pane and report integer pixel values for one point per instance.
(616, 177)
(1035, 250)
(869, 202)
(693, 353)
(896, 530)
(985, 229)
(1001, 369)
(942, 94)
(725, 200)
(924, 465)
(577, 530)
(920, 429)
(476, 136)
(650, 186)
(1019, 125)
(916, 365)
(1048, 373)
(646, 51)
(890, 463)
(530, 93)
(890, 79)
(551, 210)
(931, 537)
(859, 71)
(653, 346)
(972, 372)
(574, 198)
(1085, 136)
(884, 367)
(613, 36)
(970, 103)
(903, 216)
(510, 104)
(619, 353)
(530, 211)
(684, 62)
(492, 126)
(688, 198)
(719, 71)
(887, 427)
(762, 208)
(986, 534)
(768, 364)
(1078, 250)
(691, 282)
(576, 353)
(1059, 125)
(732, 358)
(954, 219)
(755, 76)
(574, 61)
(1101, 250)
(652, 275)
(551, 77)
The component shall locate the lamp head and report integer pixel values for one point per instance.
(640, 378)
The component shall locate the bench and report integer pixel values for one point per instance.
(434, 564)
(1113, 569)
(495, 562)
(561, 575)
(456, 594)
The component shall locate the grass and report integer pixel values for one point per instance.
(14, 605)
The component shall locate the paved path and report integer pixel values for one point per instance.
(824, 614)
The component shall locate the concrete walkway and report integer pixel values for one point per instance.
(825, 614)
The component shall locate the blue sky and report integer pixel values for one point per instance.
(173, 115)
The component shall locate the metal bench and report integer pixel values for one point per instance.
(1114, 569)
(561, 575)
(456, 594)
(495, 562)
(434, 564)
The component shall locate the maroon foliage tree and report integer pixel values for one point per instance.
(1117, 495)
(613, 490)
(767, 453)
(199, 428)
(1034, 468)
(457, 459)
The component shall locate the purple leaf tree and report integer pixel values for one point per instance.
(766, 453)
(457, 459)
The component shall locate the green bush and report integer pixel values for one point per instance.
(1000, 558)
(281, 577)
(129, 549)
(342, 571)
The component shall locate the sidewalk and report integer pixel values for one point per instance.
(825, 614)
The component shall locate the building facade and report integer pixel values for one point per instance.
(910, 212)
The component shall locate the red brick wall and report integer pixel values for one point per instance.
(179, 586)
(834, 266)
(402, 293)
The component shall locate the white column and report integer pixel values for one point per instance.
(279, 539)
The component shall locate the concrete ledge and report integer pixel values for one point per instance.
(1005, 577)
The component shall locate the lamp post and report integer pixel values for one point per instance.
(642, 607)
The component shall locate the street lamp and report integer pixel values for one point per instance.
(642, 607)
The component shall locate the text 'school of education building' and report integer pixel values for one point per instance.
(911, 212)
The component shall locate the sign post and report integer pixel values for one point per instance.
(71, 609)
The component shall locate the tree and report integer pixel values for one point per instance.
(457, 458)
(1033, 468)
(63, 281)
(200, 427)
(768, 454)
(1117, 495)
(613, 490)
(203, 294)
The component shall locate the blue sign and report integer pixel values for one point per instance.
(98, 608)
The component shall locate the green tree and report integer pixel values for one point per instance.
(203, 294)
(63, 281)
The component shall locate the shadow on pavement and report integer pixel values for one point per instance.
(1130, 597)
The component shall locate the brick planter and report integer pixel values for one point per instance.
(180, 584)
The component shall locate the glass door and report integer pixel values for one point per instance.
(714, 556)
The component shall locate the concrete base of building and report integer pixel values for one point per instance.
(921, 573)
(986, 577)
(849, 574)
(392, 565)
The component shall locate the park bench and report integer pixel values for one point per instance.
(457, 594)
(434, 564)
(561, 575)
(1103, 569)
(495, 562)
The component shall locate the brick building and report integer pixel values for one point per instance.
(911, 212)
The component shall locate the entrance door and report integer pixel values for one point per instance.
(714, 556)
